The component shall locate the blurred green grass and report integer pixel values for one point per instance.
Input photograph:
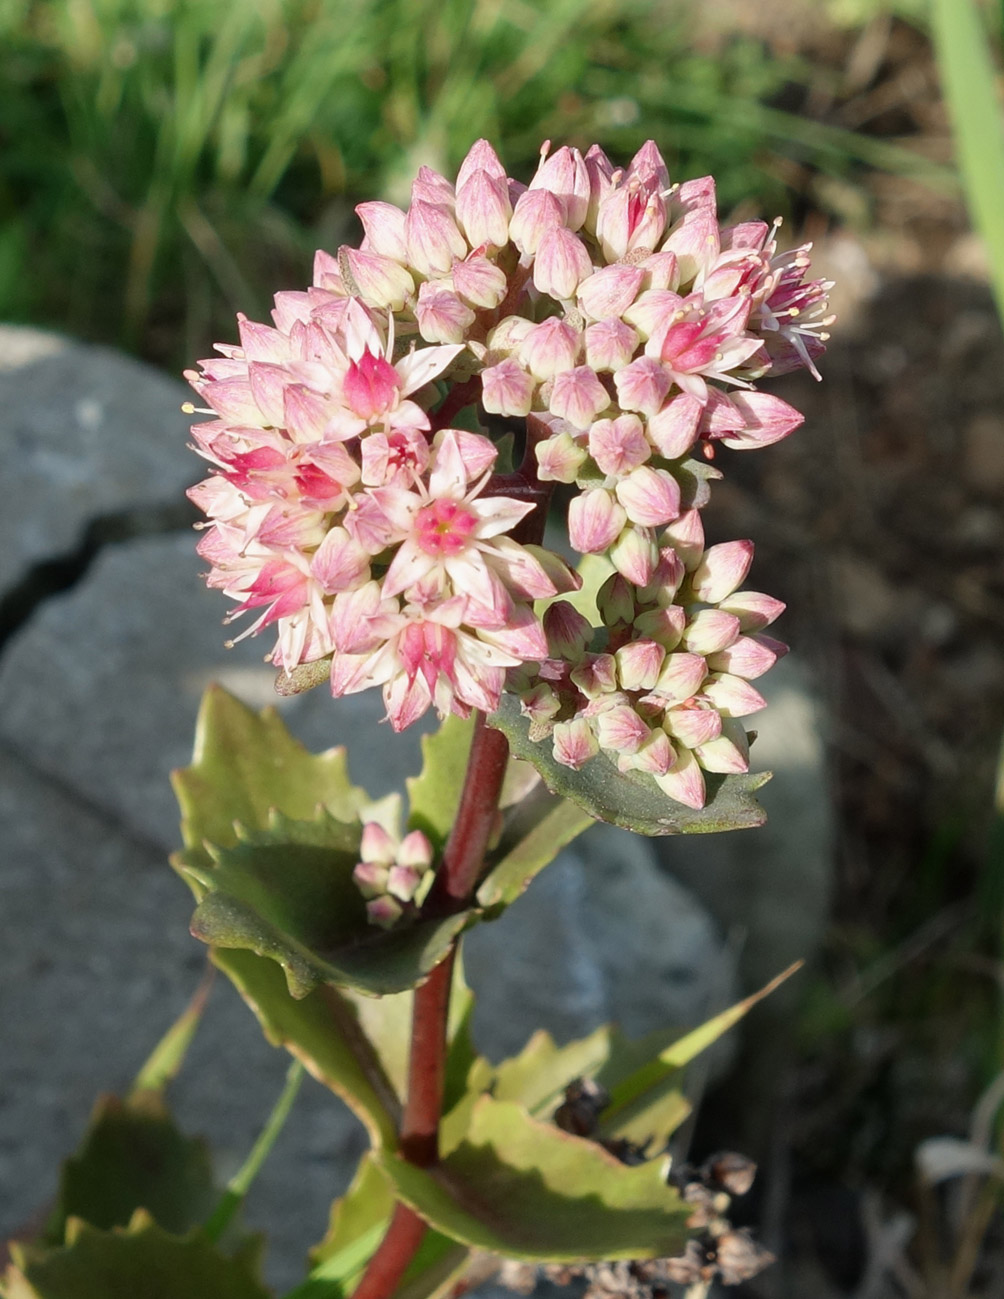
(165, 163)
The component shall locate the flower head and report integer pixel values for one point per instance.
(607, 307)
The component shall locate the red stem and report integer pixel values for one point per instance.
(387, 1266)
(456, 879)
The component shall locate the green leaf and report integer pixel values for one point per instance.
(631, 1097)
(287, 892)
(247, 763)
(525, 1189)
(537, 831)
(165, 1060)
(134, 1157)
(239, 1185)
(358, 1222)
(323, 1031)
(538, 1076)
(142, 1262)
(434, 795)
(632, 799)
(969, 80)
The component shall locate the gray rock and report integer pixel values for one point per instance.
(85, 432)
(96, 963)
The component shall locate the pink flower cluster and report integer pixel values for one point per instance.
(348, 514)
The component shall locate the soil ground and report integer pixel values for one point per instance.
(881, 523)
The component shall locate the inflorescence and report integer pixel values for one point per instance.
(609, 311)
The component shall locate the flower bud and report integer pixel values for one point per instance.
(441, 316)
(765, 419)
(536, 212)
(661, 271)
(568, 632)
(432, 188)
(663, 625)
(415, 850)
(639, 664)
(710, 630)
(650, 496)
(540, 705)
(577, 396)
(655, 756)
(574, 743)
(681, 677)
(621, 730)
(561, 264)
(684, 781)
(484, 210)
(674, 429)
(480, 157)
(610, 291)
(618, 445)
(721, 570)
(642, 385)
(610, 344)
(403, 881)
(506, 389)
(732, 696)
(564, 174)
(729, 752)
(748, 656)
(434, 240)
(615, 601)
(686, 536)
(596, 676)
(508, 335)
(384, 912)
(479, 281)
(692, 726)
(549, 348)
(381, 281)
(695, 242)
(594, 521)
(753, 609)
(371, 878)
(559, 458)
(384, 227)
(634, 554)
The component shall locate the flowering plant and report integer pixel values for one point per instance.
(385, 460)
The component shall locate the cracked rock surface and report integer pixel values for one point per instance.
(99, 686)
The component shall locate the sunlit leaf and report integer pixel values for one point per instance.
(537, 831)
(165, 1060)
(524, 1188)
(247, 763)
(631, 1096)
(323, 1031)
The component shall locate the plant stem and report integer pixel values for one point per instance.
(397, 1249)
(463, 858)
(456, 880)
(239, 1185)
(427, 1066)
